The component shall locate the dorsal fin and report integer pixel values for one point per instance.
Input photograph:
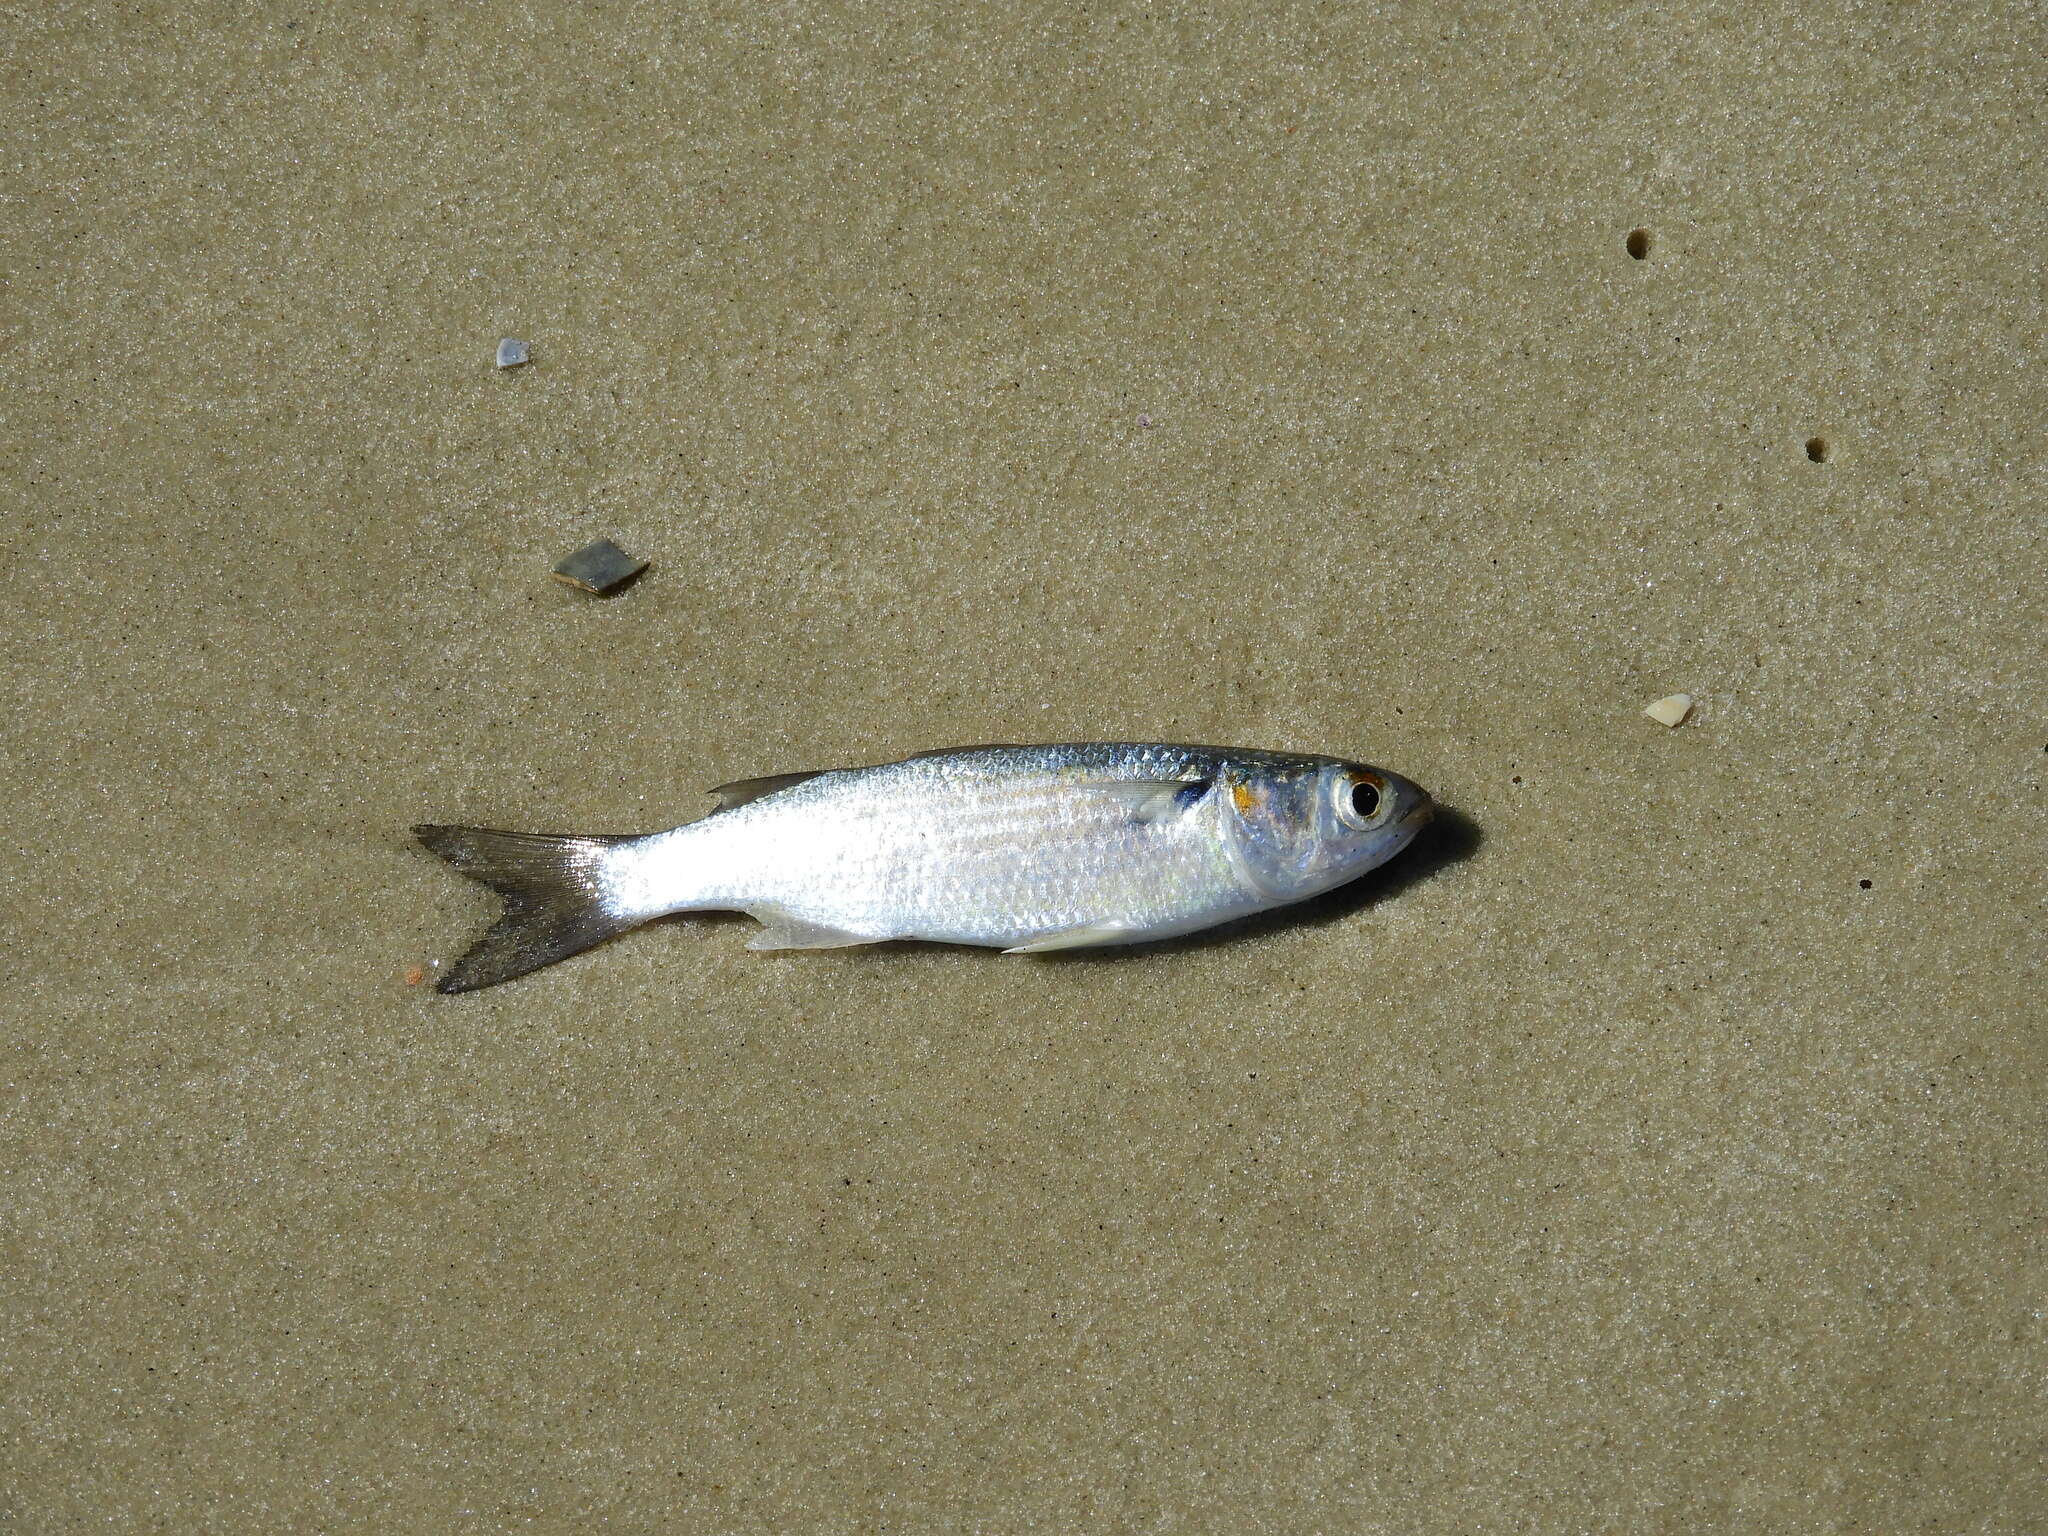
(746, 791)
(982, 746)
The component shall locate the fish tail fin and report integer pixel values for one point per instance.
(557, 902)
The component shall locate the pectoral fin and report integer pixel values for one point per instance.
(1079, 938)
(1152, 801)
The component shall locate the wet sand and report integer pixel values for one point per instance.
(1659, 1148)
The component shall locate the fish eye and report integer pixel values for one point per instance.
(1360, 800)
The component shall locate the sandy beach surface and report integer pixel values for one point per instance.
(1657, 1147)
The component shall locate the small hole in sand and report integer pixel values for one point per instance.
(1638, 243)
(1817, 449)
(1863, 884)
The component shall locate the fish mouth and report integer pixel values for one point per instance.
(1417, 816)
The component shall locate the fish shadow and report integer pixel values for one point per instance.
(1451, 838)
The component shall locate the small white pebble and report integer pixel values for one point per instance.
(1671, 710)
(511, 353)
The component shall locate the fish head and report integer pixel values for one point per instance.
(1296, 828)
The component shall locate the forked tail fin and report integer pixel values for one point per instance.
(555, 899)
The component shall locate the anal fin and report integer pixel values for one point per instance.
(781, 931)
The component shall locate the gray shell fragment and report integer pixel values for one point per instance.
(601, 567)
(512, 352)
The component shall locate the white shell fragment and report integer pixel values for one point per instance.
(512, 352)
(1671, 710)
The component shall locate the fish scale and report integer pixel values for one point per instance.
(976, 855)
(1013, 847)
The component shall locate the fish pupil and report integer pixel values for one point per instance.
(1365, 799)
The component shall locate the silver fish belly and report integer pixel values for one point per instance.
(1021, 848)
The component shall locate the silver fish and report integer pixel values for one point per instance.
(1019, 848)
